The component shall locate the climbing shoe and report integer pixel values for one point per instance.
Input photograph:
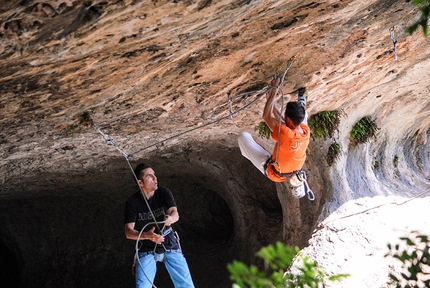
(302, 96)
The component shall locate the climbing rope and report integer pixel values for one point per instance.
(110, 142)
(136, 255)
(278, 88)
(259, 93)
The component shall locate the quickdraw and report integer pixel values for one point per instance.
(394, 42)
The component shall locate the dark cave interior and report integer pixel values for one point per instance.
(9, 267)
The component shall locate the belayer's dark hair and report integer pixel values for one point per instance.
(138, 171)
(296, 112)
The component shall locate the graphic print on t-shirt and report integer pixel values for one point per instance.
(148, 215)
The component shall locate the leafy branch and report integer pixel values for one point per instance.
(278, 260)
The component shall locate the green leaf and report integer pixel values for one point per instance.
(263, 130)
(408, 241)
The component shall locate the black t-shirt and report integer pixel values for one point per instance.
(136, 210)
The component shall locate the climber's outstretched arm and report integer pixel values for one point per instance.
(271, 113)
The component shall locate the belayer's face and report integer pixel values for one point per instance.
(149, 180)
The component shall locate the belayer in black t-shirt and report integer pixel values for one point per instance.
(154, 210)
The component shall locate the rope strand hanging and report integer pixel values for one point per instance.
(278, 88)
(110, 142)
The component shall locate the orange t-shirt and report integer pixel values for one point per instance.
(292, 151)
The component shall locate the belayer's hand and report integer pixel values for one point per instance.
(154, 237)
(168, 220)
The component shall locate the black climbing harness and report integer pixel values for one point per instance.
(300, 174)
(136, 255)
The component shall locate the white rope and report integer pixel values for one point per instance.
(136, 255)
(110, 142)
(258, 93)
(278, 88)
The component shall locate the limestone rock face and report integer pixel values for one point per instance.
(161, 79)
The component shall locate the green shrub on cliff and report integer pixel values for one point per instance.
(363, 130)
(263, 130)
(323, 124)
(278, 259)
(334, 151)
(424, 7)
(415, 258)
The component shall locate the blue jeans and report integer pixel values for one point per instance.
(176, 265)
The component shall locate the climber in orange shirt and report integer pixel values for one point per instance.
(291, 134)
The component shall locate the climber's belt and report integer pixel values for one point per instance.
(167, 231)
(143, 254)
(287, 175)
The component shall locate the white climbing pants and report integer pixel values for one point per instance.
(253, 151)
